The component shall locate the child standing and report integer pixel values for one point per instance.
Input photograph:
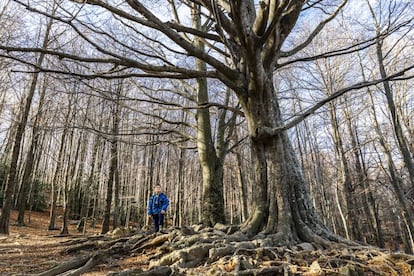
(157, 207)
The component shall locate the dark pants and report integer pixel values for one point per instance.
(158, 220)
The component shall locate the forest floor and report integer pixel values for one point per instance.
(31, 250)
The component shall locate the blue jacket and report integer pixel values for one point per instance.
(157, 203)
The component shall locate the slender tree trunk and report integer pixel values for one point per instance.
(368, 202)
(109, 191)
(115, 131)
(28, 170)
(100, 164)
(402, 142)
(2, 103)
(368, 195)
(18, 138)
(349, 205)
(91, 186)
(113, 178)
(78, 194)
(149, 177)
(242, 187)
(57, 172)
(179, 197)
(405, 213)
(96, 162)
(73, 174)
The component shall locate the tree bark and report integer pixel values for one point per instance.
(281, 202)
(212, 166)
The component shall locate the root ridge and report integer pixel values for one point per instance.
(206, 250)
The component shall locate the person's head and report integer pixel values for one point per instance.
(157, 189)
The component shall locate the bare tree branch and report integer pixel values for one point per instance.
(315, 32)
(268, 132)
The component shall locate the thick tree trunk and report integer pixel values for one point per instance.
(281, 203)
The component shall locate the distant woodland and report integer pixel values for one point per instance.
(290, 118)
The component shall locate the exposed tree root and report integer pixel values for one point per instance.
(73, 264)
(209, 251)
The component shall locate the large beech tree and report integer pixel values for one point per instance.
(243, 47)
